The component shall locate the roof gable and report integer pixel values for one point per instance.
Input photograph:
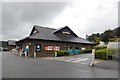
(34, 31)
(64, 31)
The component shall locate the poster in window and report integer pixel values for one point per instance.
(48, 48)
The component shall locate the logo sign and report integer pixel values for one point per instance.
(38, 47)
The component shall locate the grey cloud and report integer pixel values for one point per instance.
(99, 23)
(15, 15)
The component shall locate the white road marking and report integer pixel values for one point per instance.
(80, 60)
(70, 60)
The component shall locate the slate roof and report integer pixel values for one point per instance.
(45, 33)
(55, 31)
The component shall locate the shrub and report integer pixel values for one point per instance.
(104, 51)
(61, 52)
(86, 51)
(101, 54)
(101, 47)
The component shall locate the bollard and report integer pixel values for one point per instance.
(55, 54)
(25, 54)
(92, 57)
(20, 53)
(34, 54)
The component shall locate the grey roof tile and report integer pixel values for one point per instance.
(46, 33)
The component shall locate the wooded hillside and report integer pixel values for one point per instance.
(106, 36)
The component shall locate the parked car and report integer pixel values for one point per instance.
(5, 49)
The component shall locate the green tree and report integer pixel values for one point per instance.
(106, 35)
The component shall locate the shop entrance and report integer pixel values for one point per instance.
(31, 49)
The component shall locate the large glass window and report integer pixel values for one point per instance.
(56, 47)
(49, 47)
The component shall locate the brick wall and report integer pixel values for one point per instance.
(43, 43)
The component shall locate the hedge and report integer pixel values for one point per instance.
(86, 51)
(101, 54)
(61, 53)
(102, 47)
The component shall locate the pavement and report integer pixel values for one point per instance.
(106, 64)
(14, 66)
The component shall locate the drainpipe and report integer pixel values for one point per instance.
(55, 54)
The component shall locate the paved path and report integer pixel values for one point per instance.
(14, 66)
(73, 59)
(85, 59)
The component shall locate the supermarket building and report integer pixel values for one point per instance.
(45, 41)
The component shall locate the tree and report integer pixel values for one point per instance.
(116, 32)
(94, 38)
(106, 35)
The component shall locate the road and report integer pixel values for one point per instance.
(14, 66)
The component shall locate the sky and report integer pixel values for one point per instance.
(84, 17)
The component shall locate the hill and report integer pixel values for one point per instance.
(106, 36)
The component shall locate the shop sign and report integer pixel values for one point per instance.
(38, 47)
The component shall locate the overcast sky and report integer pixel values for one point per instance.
(84, 17)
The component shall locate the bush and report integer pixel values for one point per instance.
(86, 51)
(101, 47)
(61, 53)
(104, 51)
(101, 54)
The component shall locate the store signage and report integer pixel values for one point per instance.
(38, 47)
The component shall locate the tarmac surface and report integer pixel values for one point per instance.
(14, 66)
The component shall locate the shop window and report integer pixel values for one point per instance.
(56, 47)
(48, 48)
